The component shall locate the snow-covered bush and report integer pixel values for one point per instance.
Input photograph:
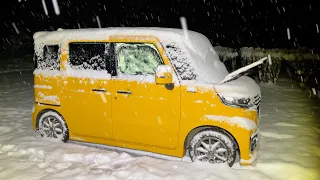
(226, 53)
(299, 59)
(228, 56)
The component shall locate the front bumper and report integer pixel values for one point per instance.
(254, 147)
(254, 140)
(250, 161)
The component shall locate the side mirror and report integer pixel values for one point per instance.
(164, 74)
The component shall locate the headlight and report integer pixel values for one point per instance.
(228, 100)
(242, 103)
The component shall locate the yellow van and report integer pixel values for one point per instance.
(159, 90)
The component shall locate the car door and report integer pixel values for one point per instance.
(88, 100)
(143, 112)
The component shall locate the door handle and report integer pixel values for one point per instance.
(99, 90)
(162, 77)
(124, 92)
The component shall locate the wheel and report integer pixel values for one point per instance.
(213, 146)
(52, 125)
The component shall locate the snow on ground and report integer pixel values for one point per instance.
(289, 147)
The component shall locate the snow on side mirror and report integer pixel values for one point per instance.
(163, 74)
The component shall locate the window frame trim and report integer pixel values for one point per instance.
(120, 39)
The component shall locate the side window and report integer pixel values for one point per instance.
(137, 59)
(93, 56)
(50, 58)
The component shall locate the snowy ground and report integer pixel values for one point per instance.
(289, 149)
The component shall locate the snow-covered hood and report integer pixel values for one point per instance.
(241, 88)
(235, 86)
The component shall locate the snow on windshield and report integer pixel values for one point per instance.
(195, 59)
(180, 61)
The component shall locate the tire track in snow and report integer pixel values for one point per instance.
(286, 124)
(276, 135)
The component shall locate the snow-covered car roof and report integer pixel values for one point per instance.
(162, 34)
(197, 51)
(104, 33)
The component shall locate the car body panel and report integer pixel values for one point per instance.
(152, 118)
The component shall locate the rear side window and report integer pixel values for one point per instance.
(50, 58)
(93, 56)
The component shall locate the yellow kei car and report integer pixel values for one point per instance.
(159, 90)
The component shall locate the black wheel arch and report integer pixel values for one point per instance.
(196, 130)
(66, 137)
(46, 110)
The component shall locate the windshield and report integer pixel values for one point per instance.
(195, 59)
(209, 68)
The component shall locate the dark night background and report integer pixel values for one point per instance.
(229, 23)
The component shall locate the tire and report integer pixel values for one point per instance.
(52, 125)
(213, 145)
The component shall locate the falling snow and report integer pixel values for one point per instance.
(15, 28)
(45, 7)
(56, 7)
(288, 33)
(98, 21)
(183, 22)
(269, 59)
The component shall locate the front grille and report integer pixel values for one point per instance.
(257, 100)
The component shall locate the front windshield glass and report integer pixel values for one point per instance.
(196, 59)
